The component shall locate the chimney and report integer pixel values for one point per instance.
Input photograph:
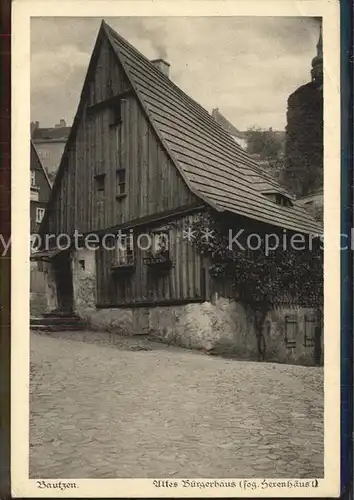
(34, 126)
(61, 124)
(163, 66)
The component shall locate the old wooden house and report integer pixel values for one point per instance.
(144, 158)
(40, 189)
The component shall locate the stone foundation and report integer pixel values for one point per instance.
(296, 348)
(222, 326)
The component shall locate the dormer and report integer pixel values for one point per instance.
(278, 198)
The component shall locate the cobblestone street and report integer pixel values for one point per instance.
(134, 408)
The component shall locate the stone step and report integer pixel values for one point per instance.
(59, 314)
(58, 328)
(55, 320)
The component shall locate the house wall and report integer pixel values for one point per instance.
(219, 326)
(153, 184)
(43, 293)
(299, 347)
(42, 188)
(186, 280)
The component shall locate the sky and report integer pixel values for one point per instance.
(245, 66)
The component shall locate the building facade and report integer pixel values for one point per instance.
(144, 161)
(50, 143)
(40, 190)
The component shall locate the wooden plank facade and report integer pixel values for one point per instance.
(153, 184)
(184, 281)
(89, 200)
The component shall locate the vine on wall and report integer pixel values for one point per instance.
(263, 279)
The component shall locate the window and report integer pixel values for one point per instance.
(283, 200)
(124, 251)
(82, 265)
(290, 331)
(160, 243)
(33, 178)
(120, 183)
(39, 214)
(43, 154)
(100, 182)
(158, 256)
(279, 199)
(116, 114)
(310, 330)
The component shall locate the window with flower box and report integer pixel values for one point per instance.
(124, 254)
(158, 256)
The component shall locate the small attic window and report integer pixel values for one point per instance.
(116, 114)
(279, 199)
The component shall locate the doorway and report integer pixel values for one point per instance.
(64, 281)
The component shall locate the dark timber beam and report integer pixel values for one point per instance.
(157, 303)
(107, 103)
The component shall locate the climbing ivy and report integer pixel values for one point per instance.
(262, 278)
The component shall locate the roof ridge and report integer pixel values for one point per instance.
(252, 164)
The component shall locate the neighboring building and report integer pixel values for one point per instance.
(50, 144)
(40, 190)
(145, 158)
(238, 136)
(304, 133)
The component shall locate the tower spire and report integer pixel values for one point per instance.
(317, 62)
(319, 44)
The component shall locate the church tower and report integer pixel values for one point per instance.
(303, 173)
(317, 62)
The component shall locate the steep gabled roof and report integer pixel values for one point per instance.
(213, 165)
(216, 167)
(36, 160)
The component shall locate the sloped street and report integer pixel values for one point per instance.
(134, 408)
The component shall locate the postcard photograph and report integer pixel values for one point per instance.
(176, 265)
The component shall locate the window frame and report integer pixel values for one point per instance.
(309, 340)
(290, 319)
(121, 183)
(39, 210)
(124, 257)
(100, 183)
(116, 114)
(33, 178)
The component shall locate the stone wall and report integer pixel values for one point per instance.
(289, 335)
(221, 326)
(84, 282)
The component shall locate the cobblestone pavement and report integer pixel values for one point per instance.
(135, 408)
